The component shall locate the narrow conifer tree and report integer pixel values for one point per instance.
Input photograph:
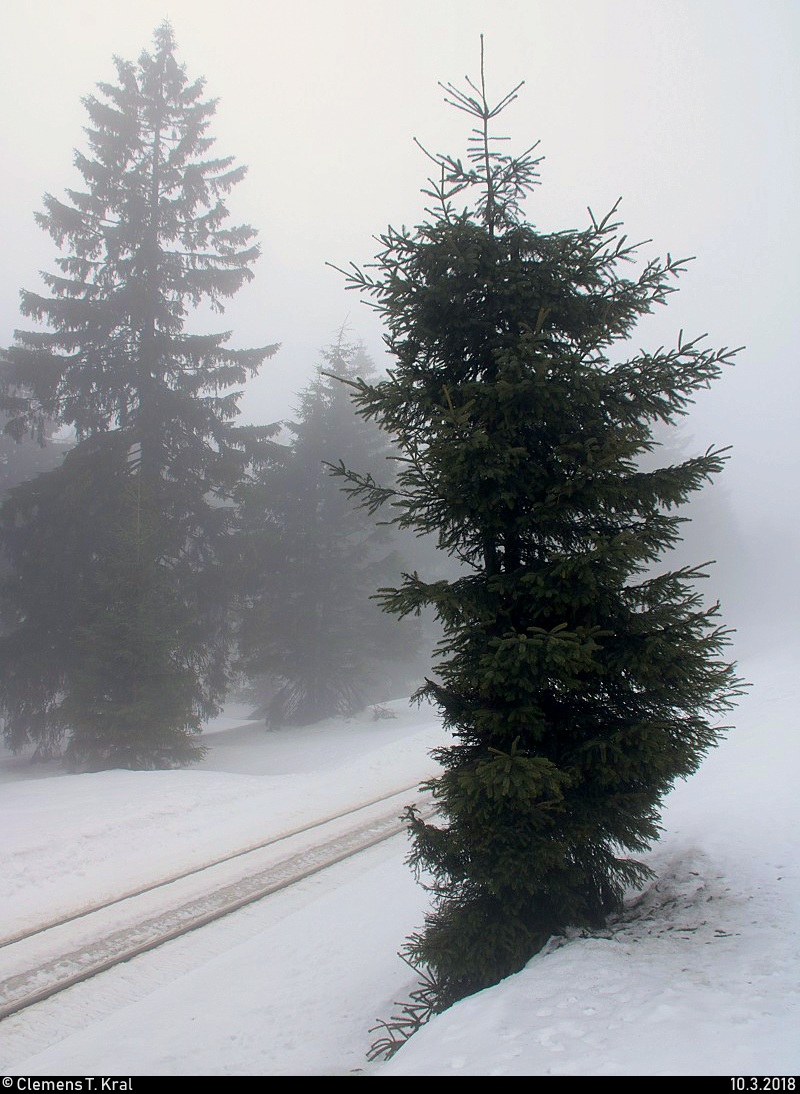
(21, 459)
(579, 674)
(129, 655)
(310, 626)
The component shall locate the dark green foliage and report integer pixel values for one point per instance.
(117, 611)
(310, 626)
(579, 676)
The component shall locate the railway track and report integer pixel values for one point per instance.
(56, 955)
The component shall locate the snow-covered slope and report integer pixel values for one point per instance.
(699, 976)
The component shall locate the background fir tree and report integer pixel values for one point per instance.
(21, 459)
(136, 633)
(311, 631)
(580, 676)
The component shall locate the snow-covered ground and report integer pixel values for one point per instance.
(700, 976)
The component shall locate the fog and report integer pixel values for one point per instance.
(686, 110)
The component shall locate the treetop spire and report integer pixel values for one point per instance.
(502, 180)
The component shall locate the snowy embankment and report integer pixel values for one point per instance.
(702, 973)
(699, 976)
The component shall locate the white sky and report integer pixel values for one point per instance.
(688, 109)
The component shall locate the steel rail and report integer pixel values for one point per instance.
(67, 970)
(90, 909)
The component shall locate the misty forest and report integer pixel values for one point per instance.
(487, 524)
(187, 554)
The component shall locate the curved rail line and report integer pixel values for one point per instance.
(57, 973)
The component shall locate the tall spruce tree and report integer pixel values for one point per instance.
(22, 459)
(310, 628)
(117, 609)
(579, 674)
